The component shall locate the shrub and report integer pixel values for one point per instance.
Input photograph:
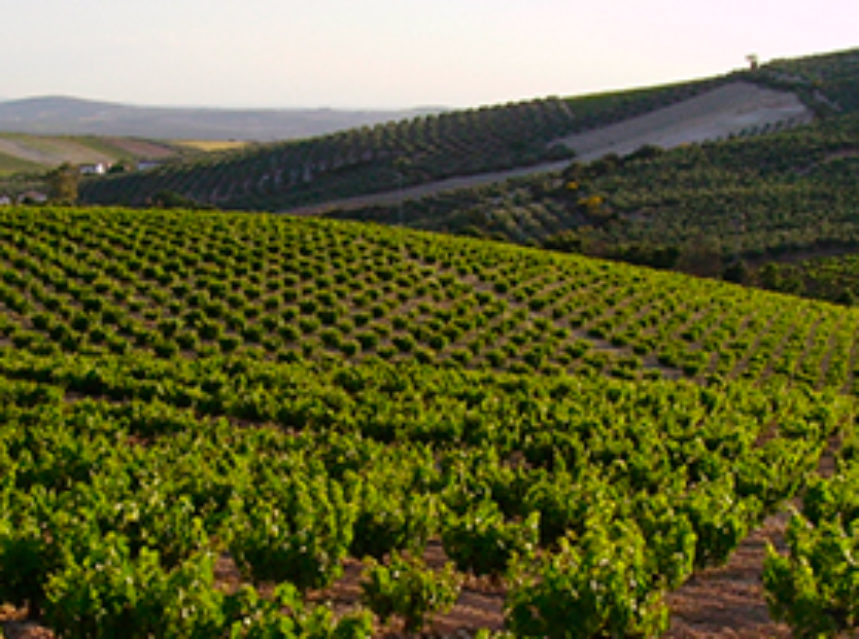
(481, 541)
(596, 586)
(229, 343)
(405, 587)
(367, 339)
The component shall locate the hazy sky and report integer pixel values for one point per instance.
(392, 53)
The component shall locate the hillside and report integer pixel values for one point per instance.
(755, 199)
(59, 115)
(20, 152)
(391, 155)
(197, 405)
(488, 142)
(826, 82)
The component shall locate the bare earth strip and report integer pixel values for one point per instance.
(728, 601)
(719, 113)
(422, 190)
(724, 111)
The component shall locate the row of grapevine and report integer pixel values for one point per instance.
(141, 474)
(271, 288)
(130, 491)
(815, 586)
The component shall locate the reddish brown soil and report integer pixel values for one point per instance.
(727, 601)
(14, 625)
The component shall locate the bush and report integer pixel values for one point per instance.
(367, 339)
(815, 588)
(405, 587)
(595, 586)
(300, 536)
(229, 343)
(110, 593)
(481, 541)
(166, 348)
(286, 616)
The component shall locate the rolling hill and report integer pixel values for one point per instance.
(22, 152)
(489, 141)
(744, 198)
(416, 151)
(197, 404)
(60, 115)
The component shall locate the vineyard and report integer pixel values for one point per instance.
(208, 419)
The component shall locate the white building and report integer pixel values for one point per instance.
(100, 168)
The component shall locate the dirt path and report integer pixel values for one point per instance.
(422, 190)
(718, 113)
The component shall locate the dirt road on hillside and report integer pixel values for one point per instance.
(718, 113)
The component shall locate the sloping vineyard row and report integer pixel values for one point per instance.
(182, 391)
(272, 288)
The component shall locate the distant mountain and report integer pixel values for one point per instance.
(74, 116)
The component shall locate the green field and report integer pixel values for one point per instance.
(27, 152)
(236, 424)
(208, 418)
(10, 164)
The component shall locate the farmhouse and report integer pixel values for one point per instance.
(99, 168)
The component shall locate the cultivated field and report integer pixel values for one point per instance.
(239, 423)
(41, 152)
(256, 425)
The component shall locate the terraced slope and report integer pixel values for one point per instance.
(196, 406)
